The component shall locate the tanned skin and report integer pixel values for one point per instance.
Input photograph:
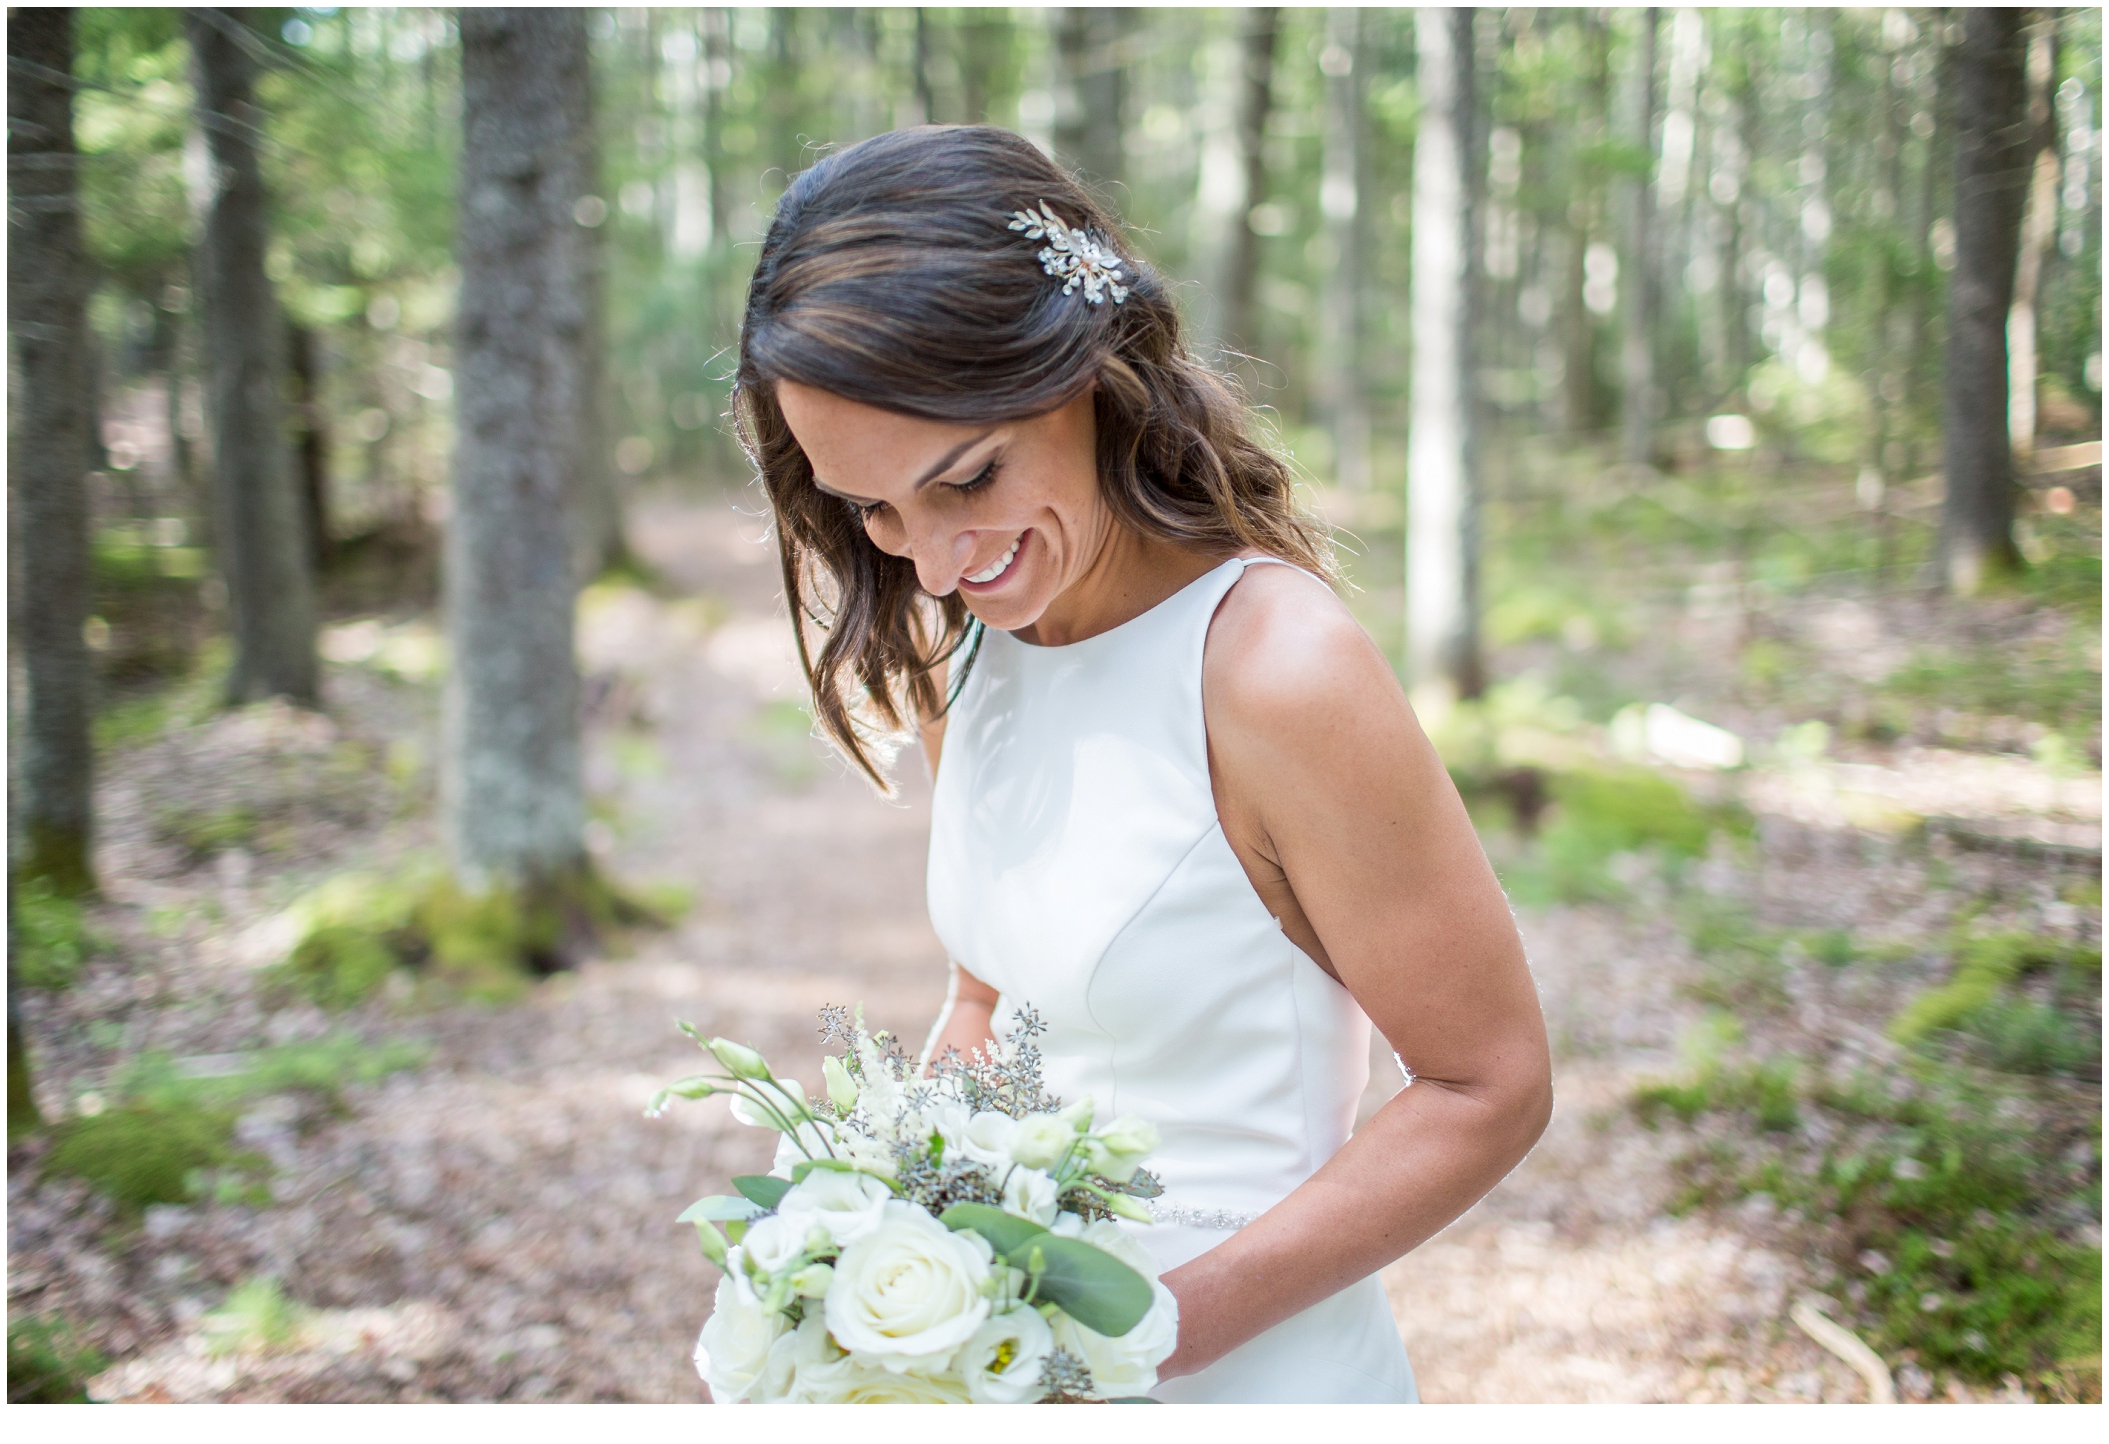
(1329, 792)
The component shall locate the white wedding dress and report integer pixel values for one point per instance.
(1077, 866)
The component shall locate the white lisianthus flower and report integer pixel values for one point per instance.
(801, 1364)
(988, 1139)
(1116, 1150)
(792, 1151)
(733, 1349)
(774, 1244)
(1127, 1365)
(949, 1120)
(909, 1291)
(1066, 1225)
(852, 1382)
(1040, 1140)
(744, 1108)
(847, 1205)
(1001, 1363)
(1029, 1193)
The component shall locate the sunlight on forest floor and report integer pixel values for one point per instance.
(481, 1213)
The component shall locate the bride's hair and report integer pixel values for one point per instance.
(890, 276)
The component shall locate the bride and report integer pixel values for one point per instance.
(1182, 808)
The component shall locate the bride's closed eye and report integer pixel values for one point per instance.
(978, 480)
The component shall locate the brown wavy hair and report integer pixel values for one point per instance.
(889, 276)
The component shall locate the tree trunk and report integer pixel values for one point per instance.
(2040, 223)
(1092, 93)
(1582, 397)
(1442, 642)
(1991, 185)
(1637, 346)
(1255, 102)
(596, 505)
(1340, 355)
(312, 445)
(48, 280)
(513, 803)
(260, 534)
(924, 96)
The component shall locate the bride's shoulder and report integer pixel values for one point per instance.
(1284, 649)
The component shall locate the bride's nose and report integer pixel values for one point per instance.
(939, 561)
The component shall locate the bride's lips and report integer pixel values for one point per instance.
(1004, 564)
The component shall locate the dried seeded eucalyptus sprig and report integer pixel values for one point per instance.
(1066, 1378)
(1003, 1077)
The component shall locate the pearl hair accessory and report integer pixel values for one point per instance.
(1075, 257)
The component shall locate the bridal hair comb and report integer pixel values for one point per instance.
(1075, 257)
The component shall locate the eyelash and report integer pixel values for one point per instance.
(866, 510)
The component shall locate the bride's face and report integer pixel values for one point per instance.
(1007, 513)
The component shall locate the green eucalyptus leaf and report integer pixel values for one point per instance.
(1092, 1286)
(719, 1208)
(1006, 1232)
(1135, 1399)
(764, 1190)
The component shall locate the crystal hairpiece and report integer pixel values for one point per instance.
(1075, 257)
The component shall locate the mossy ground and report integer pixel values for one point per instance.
(47, 1363)
(358, 929)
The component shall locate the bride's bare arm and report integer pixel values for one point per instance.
(1352, 833)
(964, 1022)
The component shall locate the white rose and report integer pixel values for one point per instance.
(1029, 1193)
(847, 1205)
(733, 1348)
(1041, 1139)
(908, 1291)
(774, 1244)
(987, 1139)
(1001, 1363)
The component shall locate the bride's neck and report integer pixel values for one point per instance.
(1131, 574)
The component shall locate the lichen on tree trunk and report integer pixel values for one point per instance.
(513, 798)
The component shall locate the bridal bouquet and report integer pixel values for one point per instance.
(927, 1240)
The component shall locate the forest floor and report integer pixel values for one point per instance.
(464, 1201)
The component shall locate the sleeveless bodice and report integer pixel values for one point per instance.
(1077, 865)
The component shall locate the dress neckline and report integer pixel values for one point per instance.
(1140, 616)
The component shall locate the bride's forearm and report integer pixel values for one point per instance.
(1426, 1157)
(965, 1021)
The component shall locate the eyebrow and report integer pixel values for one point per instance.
(943, 464)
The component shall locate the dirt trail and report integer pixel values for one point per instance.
(499, 1223)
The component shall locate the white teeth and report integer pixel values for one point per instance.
(997, 567)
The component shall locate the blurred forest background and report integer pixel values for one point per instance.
(1707, 404)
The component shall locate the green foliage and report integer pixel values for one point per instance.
(138, 1153)
(322, 1067)
(256, 1318)
(2059, 686)
(1711, 1084)
(47, 1363)
(1601, 814)
(50, 940)
(204, 832)
(1984, 967)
